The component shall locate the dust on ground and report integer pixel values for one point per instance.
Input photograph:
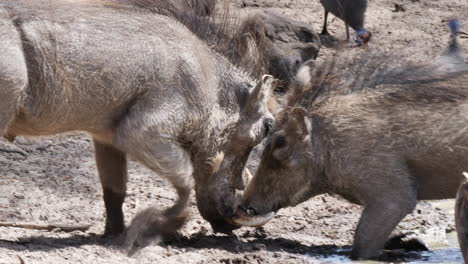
(54, 181)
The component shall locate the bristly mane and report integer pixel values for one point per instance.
(220, 28)
(343, 74)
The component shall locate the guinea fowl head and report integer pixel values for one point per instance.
(454, 25)
(363, 36)
(454, 47)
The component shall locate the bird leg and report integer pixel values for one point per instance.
(324, 30)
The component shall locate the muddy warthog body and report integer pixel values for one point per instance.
(382, 142)
(264, 42)
(202, 7)
(461, 216)
(283, 44)
(140, 84)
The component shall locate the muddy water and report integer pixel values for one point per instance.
(444, 247)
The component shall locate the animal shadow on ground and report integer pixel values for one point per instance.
(261, 242)
(44, 243)
(329, 41)
(333, 42)
(233, 244)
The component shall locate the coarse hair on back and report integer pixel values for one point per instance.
(219, 27)
(373, 70)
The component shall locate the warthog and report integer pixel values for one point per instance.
(264, 42)
(283, 44)
(189, 8)
(202, 7)
(383, 140)
(461, 216)
(142, 85)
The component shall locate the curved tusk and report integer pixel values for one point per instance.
(253, 220)
(247, 176)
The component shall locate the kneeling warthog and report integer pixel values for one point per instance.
(141, 84)
(383, 140)
(461, 216)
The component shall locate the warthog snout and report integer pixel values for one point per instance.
(248, 210)
(248, 216)
(218, 210)
(223, 227)
(248, 219)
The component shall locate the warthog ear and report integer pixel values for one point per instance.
(303, 75)
(299, 122)
(302, 80)
(259, 95)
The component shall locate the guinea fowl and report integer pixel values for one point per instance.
(352, 13)
(453, 58)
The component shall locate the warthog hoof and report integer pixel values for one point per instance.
(408, 242)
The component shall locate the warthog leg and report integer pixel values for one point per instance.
(112, 168)
(172, 162)
(461, 216)
(385, 206)
(13, 71)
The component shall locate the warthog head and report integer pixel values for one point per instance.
(216, 194)
(284, 176)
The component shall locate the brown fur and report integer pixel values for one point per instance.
(262, 43)
(363, 70)
(282, 45)
(141, 84)
(383, 142)
(461, 216)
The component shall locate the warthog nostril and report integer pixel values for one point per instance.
(242, 208)
(251, 211)
(248, 210)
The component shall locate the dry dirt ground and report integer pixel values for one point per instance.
(54, 181)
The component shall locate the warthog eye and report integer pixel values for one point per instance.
(280, 142)
(268, 124)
